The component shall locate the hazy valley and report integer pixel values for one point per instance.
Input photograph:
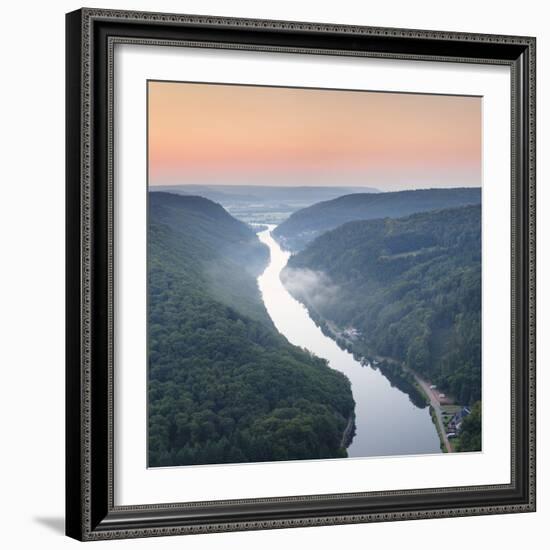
(387, 275)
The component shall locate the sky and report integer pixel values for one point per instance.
(260, 135)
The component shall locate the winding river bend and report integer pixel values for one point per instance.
(387, 422)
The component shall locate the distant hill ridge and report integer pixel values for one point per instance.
(194, 204)
(208, 220)
(305, 225)
(262, 203)
(243, 193)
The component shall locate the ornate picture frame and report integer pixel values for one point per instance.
(91, 509)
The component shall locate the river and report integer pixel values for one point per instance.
(387, 422)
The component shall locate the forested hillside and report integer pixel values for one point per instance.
(305, 225)
(223, 384)
(410, 286)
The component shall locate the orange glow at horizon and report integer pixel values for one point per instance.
(198, 132)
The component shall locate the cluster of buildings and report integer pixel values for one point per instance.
(455, 423)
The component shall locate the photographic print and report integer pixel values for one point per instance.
(313, 272)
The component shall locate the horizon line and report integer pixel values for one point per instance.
(149, 187)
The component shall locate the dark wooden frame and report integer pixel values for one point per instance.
(90, 510)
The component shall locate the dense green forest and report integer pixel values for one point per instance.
(223, 385)
(410, 286)
(305, 225)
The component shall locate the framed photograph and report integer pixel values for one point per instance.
(300, 274)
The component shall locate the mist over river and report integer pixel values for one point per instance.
(387, 422)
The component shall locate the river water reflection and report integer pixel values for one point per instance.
(387, 422)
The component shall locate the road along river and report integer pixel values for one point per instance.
(387, 422)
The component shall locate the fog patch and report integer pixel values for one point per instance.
(315, 288)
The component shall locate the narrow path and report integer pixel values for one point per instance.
(347, 430)
(437, 408)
